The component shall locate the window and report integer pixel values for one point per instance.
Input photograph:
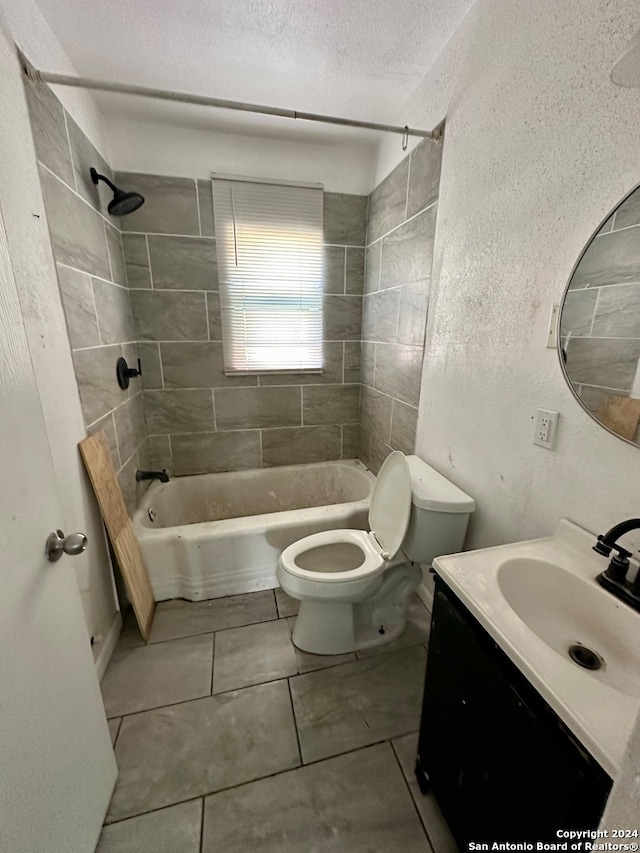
(269, 244)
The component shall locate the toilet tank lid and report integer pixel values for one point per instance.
(433, 491)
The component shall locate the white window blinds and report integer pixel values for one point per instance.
(269, 245)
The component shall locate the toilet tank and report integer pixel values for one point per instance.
(439, 514)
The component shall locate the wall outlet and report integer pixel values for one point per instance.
(546, 428)
(552, 331)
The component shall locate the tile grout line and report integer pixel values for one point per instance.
(410, 793)
(213, 661)
(146, 240)
(295, 721)
(73, 165)
(410, 219)
(201, 848)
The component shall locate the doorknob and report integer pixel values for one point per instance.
(59, 544)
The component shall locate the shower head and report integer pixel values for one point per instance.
(122, 202)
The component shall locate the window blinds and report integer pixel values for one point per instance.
(269, 246)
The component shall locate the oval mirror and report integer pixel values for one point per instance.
(599, 330)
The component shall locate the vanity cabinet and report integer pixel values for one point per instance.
(501, 764)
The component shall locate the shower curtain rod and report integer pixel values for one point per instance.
(203, 100)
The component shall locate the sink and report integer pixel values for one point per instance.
(537, 599)
(566, 610)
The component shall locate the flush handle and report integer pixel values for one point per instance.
(59, 544)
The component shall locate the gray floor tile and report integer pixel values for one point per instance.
(172, 830)
(309, 663)
(252, 655)
(435, 825)
(114, 728)
(416, 632)
(184, 751)
(287, 606)
(360, 703)
(356, 803)
(143, 677)
(184, 618)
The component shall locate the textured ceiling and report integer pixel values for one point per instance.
(355, 58)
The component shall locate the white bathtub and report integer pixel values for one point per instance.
(222, 534)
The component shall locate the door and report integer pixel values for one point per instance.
(57, 768)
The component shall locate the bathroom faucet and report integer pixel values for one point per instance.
(614, 578)
(152, 475)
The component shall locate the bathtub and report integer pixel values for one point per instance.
(212, 535)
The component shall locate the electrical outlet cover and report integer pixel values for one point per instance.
(546, 428)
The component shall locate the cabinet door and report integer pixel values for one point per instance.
(501, 765)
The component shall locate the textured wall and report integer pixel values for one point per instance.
(198, 419)
(401, 223)
(92, 278)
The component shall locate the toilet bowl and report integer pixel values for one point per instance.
(353, 585)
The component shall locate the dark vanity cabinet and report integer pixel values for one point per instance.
(501, 764)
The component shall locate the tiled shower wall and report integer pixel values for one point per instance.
(400, 232)
(87, 248)
(601, 311)
(198, 419)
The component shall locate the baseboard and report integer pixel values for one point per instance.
(108, 645)
(425, 595)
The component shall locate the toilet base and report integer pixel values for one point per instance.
(331, 627)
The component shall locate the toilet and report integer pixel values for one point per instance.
(353, 585)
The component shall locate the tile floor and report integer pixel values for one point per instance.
(229, 738)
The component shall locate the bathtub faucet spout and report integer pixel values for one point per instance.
(152, 475)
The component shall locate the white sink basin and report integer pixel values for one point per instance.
(538, 598)
(565, 610)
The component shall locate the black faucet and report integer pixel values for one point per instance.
(614, 578)
(152, 475)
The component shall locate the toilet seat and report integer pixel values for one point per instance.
(372, 560)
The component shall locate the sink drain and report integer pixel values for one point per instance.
(585, 657)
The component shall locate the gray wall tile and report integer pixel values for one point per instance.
(375, 411)
(130, 426)
(85, 155)
(603, 361)
(171, 205)
(96, 375)
(331, 372)
(197, 365)
(77, 232)
(344, 218)
(183, 263)
(301, 445)
(216, 451)
(342, 318)
(387, 203)
(412, 321)
(160, 456)
(613, 258)
(116, 255)
(352, 361)
(354, 282)
(381, 311)
(407, 253)
(79, 307)
(174, 411)
(629, 212)
(378, 452)
(368, 362)
(205, 202)
(49, 130)
(330, 404)
(424, 175)
(253, 408)
(213, 314)
(350, 441)
(404, 420)
(149, 355)
(372, 267)
(137, 260)
(108, 426)
(398, 371)
(617, 312)
(169, 315)
(114, 312)
(334, 261)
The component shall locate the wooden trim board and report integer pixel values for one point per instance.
(97, 459)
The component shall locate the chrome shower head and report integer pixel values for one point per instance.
(122, 202)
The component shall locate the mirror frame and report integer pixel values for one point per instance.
(559, 351)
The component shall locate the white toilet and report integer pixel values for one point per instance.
(353, 585)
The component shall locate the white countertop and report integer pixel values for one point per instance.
(600, 716)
